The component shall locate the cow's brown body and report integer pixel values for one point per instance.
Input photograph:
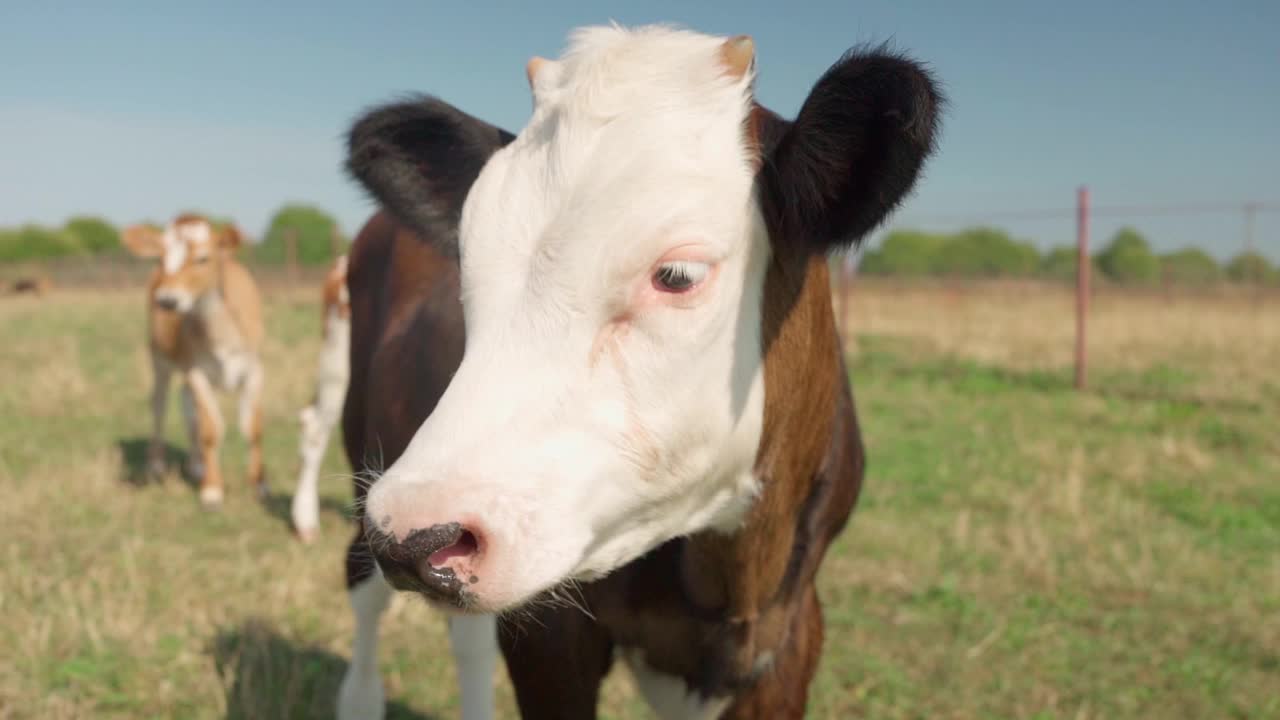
(734, 616)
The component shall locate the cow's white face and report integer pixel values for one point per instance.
(611, 393)
(613, 259)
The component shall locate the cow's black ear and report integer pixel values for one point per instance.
(854, 151)
(418, 158)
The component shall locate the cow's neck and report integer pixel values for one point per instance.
(742, 578)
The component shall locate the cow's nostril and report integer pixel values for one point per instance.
(167, 303)
(419, 561)
(465, 546)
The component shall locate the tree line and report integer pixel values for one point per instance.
(87, 236)
(979, 252)
(987, 252)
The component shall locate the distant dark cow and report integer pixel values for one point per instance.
(646, 439)
(38, 286)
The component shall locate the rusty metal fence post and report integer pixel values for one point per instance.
(1082, 285)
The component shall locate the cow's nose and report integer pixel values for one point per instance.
(428, 560)
(166, 303)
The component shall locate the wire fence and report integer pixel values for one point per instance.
(120, 271)
(1083, 215)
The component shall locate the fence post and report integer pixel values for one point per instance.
(291, 254)
(1082, 284)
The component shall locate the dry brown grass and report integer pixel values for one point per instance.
(1229, 337)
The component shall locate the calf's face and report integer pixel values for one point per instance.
(613, 259)
(189, 249)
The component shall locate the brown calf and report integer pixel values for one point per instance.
(204, 321)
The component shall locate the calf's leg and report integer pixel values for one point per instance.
(161, 372)
(251, 427)
(191, 414)
(209, 421)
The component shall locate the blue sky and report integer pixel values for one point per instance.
(133, 110)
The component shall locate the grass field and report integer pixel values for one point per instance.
(1021, 551)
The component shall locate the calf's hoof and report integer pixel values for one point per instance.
(307, 535)
(211, 498)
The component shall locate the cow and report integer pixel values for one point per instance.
(204, 321)
(38, 285)
(319, 417)
(595, 374)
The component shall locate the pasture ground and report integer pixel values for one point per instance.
(1021, 550)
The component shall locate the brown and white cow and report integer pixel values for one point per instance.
(204, 321)
(322, 414)
(649, 410)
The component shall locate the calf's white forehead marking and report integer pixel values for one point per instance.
(175, 251)
(195, 238)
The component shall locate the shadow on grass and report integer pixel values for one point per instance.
(280, 506)
(133, 461)
(267, 675)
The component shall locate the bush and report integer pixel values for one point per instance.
(1251, 267)
(986, 252)
(33, 242)
(907, 253)
(1060, 263)
(94, 234)
(1128, 259)
(975, 252)
(314, 229)
(1190, 266)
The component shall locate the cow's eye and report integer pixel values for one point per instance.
(679, 276)
(202, 260)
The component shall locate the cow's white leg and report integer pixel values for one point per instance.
(191, 414)
(318, 420)
(474, 640)
(306, 501)
(361, 696)
(161, 371)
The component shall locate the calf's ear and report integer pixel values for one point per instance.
(230, 237)
(143, 241)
